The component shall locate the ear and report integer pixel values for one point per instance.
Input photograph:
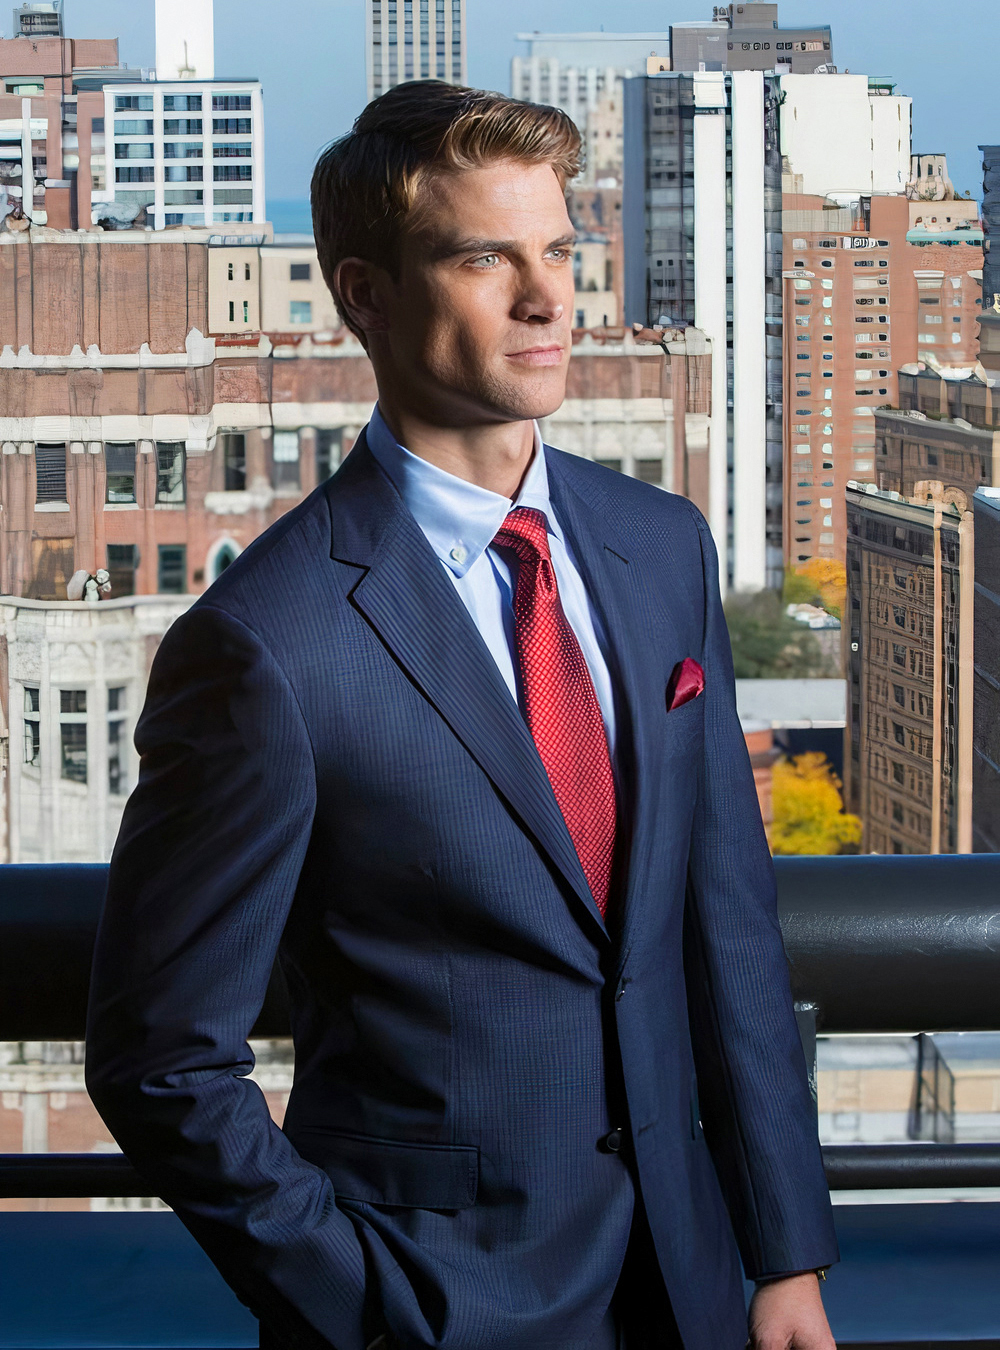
(361, 287)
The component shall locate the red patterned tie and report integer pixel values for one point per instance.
(563, 714)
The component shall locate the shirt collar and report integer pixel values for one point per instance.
(459, 519)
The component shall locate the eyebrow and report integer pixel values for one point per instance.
(450, 248)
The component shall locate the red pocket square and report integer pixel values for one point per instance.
(686, 682)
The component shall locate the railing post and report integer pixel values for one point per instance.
(805, 1017)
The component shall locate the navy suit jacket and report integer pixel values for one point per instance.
(333, 772)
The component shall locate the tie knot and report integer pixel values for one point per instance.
(525, 532)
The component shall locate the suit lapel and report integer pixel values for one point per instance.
(614, 586)
(410, 602)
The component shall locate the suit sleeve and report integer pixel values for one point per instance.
(757, 1113)
(201, 881)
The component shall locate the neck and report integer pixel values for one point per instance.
(494, 455)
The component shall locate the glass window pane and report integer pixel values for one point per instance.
(72, 700)
(119, 458)
(172, 569)
(50, 473)
(169, 471)
(73, 736)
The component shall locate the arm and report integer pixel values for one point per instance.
(758, 1116)
(202, 878)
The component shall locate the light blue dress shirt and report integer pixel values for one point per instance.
(459, 520)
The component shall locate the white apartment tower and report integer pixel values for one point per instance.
(185, 40)
(414, 40)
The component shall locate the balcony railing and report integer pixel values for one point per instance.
(874, 944)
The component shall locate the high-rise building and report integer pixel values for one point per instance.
(702, 229)
(991, 223)
(185, 39)
(986, 677)
(908, 742)
(574, 71)
(414, 40)
(747, 37)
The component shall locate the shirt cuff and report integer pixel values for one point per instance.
(785, 1274)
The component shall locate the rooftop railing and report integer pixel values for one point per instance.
(875, 945)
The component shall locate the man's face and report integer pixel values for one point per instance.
(479, 321)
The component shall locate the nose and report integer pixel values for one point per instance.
(539, 297)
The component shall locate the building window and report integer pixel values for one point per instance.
(300, 271)
(232, 306)
(246, 271)
(181, 126)
(300, 311)
(32, 726)
(134, 150)
(182, 150)
(119, 459)
(170, 461)
(233, 173)
(232, 150)
(246, 311)
(182, 173)
(73, 734)
(649, 470)
(329, 450)
(141, 173)
(133, 103)
(116, 741)
(171, 569)
(231, 274)
(286, 459)
(898, 733)
(136, 126)
(230, 102)
(50, 473)
(230, 126)
(182, 103)
(234, 460)
(123, 560)
(223, 557)
(899, 694)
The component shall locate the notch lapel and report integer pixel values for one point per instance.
(406, 597)
(614, 587)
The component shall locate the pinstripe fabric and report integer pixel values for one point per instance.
(332, 767)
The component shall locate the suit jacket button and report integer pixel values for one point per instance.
(612, 1142)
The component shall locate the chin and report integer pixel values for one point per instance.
(532, 397)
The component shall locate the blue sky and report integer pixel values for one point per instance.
(944, 55)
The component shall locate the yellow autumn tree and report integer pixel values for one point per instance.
(808, 814)
(829, 580)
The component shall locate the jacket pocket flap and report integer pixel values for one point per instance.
(392, 1171)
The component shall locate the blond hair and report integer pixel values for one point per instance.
(366, 184)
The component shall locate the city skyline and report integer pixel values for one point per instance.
(949, 114)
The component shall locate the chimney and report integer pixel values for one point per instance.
(185, 40)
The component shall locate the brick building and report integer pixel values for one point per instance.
(150, 427)
(908, 740)
(865, 298)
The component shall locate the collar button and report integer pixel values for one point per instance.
(458, 554)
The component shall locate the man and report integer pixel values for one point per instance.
(456, 739)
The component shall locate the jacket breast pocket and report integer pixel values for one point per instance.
(391, 1171)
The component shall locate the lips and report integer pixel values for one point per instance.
(538, 356)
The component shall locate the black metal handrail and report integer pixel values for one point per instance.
(874, 945)
(849, 1167)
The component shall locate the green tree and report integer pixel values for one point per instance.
(766, 643)
(808, 811)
